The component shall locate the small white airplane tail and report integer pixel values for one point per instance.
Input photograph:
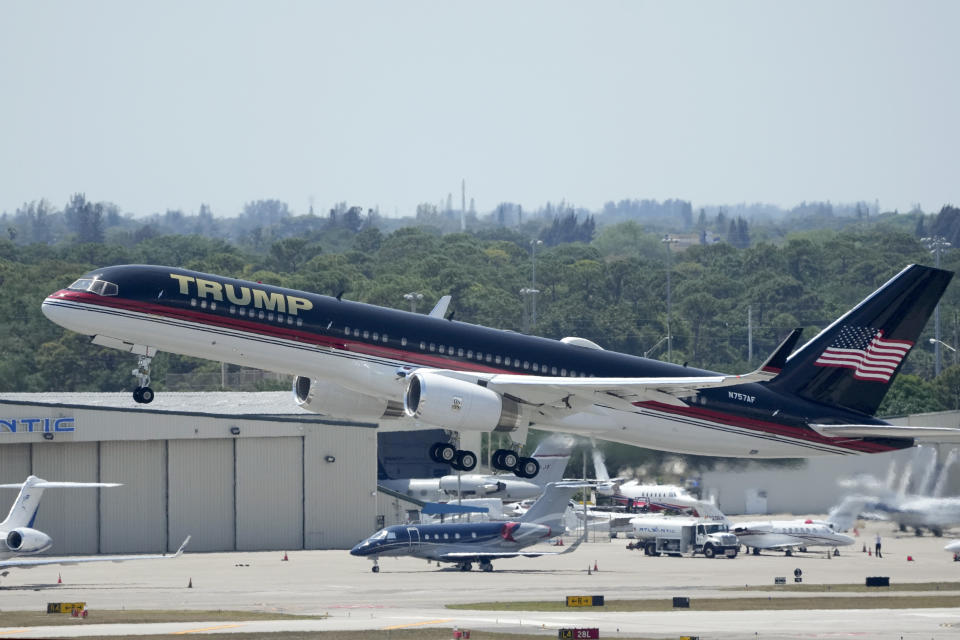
(553, 454)
(549, 509)
(24, 509)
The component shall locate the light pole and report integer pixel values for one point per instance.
(936, 244)
(413, 298)
(527, 292)
(667, 240)
(533, 282)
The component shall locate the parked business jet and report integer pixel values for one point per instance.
(786, 535)
(464, 543)
(552, 455)
(21, 539)
(366, 362)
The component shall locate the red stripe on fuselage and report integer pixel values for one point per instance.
(312, 338)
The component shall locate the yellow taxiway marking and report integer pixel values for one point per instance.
(3, 633)
(222, 626)
(416, 624)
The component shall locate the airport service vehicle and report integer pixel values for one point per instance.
(464, 543)
(21, 539)
(678, 536)
(366, 362)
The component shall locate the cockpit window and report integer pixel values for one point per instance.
(379, 535)
(94, 285)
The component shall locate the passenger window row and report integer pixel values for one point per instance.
(253, 314)
(469, 354)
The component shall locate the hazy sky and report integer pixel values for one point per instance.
(157, 105)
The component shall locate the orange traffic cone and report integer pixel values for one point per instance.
(59, 579)
(285, 558)
(595, 566)
(909, 558)
(869, 553)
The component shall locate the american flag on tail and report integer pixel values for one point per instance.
(865, 350)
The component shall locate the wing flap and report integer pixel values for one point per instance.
(926, 434)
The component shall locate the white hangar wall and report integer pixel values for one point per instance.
(237, 471)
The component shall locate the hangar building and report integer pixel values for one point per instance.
(237, 471)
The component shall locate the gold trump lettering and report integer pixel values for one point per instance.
(261, 298)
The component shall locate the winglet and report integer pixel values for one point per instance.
(775, 363)
(182, 547)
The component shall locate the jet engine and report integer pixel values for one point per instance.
(26, 540)
(459, 405)
(335, 400)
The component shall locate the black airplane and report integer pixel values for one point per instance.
(366, 362)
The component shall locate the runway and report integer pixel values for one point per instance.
(410, 593)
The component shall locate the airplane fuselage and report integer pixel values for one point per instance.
(365, 349)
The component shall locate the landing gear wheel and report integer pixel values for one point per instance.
(527, 468)
(375, 569)
(508, 459)
(486, 567)
(756, 551)
(136, 395)
(146, 395)
(464, 460)
(443, 452)
(465, 566)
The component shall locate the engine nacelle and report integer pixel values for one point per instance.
(455, 404)
(26, 540)
(335, 400)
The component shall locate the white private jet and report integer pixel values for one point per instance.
(799, 534)
(21, 539)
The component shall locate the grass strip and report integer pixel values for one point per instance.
(768, 603)
(805, 587)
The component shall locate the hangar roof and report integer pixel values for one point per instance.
(277, 404)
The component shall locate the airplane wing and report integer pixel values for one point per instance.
(29, 563)
(926, 434)
(577, 393)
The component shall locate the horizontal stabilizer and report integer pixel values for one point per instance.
(926, 434)
(45, 484)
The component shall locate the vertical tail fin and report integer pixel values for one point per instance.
(852, 362)
(550, 507)
(24, 509)
(553, 453)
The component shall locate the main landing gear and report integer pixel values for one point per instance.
(502, 459)
(143, 394)
(510, 460)
(458, 459)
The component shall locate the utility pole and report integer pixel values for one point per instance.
(936, 244)
(533, 282)
(667, 240)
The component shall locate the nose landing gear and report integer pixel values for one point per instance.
(143, 394)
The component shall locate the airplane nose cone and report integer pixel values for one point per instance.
(359, 549)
